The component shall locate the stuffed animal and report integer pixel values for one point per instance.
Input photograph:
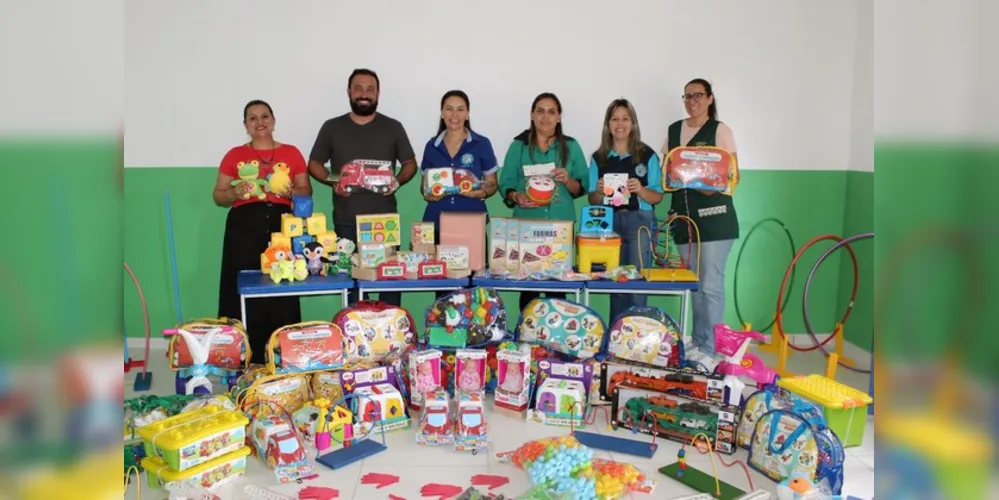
(248, 173)
(279, 181)
(345, 255)
(799, 487)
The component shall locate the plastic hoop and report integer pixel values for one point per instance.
(808, 285)
(790, 269)
(738, 260)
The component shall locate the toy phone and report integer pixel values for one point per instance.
(597, 220)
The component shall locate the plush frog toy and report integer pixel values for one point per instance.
(248, 172)
(279, 181)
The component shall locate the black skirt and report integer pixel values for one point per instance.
(248, 231)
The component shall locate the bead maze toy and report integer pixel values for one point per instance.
(697, 480)
(356, 447)
(738, 363)
(207, 347)
(672, 267)
(596, 242)
(612, 444)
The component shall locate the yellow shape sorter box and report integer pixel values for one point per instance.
(211, 474)
(845, 408)
(378, 229)
(193, 438)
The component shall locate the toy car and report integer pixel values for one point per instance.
(471, 422)
(448, 181)
(375, 176)
(437, 420)
(284, 448)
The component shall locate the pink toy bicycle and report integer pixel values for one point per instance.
(738, 363)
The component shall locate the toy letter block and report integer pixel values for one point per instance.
(316, 224)
(298, 244)
(301, 205)
(291, 226)
(280, 240)
(327, 240)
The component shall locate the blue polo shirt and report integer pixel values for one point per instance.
(652, 173)
(476, 155)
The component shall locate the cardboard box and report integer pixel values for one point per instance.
(456, 256)
(422, 237)
(497, 245)
(512, 246)
(466, 229)
(544, 245)
(372, 255)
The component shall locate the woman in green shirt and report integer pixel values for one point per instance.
(544, 144)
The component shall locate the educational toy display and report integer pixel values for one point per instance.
(647, 335)
(381, 229)
(304, 246)
(703, 167)
(561, 394)
(685, 382)
(290, 392)
(373, 330)
(544, 246)
(675, 417)
(563, 326)
(303, 347)
(368, 175)
(465, 318)
(448, 181)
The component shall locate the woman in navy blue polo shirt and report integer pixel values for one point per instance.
(455, 145)
(623, 152)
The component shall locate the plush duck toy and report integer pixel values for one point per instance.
(799, 487)
(279, 181)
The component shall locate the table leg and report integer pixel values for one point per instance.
(343, 299)
(360, 295)
(242, 304)
(684, 315)
(586, 297)
(577, 296)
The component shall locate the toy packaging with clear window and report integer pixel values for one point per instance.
(279, 445)
(373, 330)
(424, 375)
(646, 335)
(470, 430)
(707, 168)
(368, 175)
(436, 420)
(470, 370)
(561, 393)
(380, 399)
(446, 181)
(563, 326)
(305, 347)
(514, 378)
(465, 318)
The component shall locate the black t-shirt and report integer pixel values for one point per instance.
(341, 141)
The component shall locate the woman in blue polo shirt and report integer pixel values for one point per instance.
(455, 145)
(623, 152)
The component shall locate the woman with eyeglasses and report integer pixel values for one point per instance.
(714, 214)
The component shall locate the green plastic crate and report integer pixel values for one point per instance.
(845, 408)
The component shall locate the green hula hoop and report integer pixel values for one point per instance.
(738, 261)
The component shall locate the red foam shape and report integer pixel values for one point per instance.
(489, 480)
(382, 480)
(318, 493)
(441, 491)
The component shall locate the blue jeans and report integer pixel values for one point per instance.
(709, 300)
(633, 245)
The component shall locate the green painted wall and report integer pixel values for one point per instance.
(810, 202)
(858, 217)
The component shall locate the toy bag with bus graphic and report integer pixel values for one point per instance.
(305, 347)
(563, 326)
(229, 350)
(373, 330)
(465, 318)
(773, 397)
(784, 443)
(707, 168)
(646, 335)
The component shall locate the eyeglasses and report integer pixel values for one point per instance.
(696, 96)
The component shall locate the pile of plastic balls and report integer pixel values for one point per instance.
(564, 466)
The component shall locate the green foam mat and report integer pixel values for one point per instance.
(701, 481)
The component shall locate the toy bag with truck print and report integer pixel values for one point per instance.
(305, 347)
(646, 335)
(373, 330)
(785, 443)
(563, 326)
(773, 397)
(465, 318)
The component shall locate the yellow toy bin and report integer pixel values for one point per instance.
(211, 474)
(193, 438)
(598, 250)
(845, 408)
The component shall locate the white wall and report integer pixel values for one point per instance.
(862, 116)
(782, 69)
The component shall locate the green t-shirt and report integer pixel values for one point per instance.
(512, 177)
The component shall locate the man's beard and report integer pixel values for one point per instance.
(363, 109)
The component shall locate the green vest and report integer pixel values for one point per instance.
(714, 215)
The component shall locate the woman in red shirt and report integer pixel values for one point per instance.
(255, 214)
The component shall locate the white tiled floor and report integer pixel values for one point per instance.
(417, 465)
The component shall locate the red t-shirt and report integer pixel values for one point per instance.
(266, 160)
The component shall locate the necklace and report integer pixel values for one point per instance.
(264, 162)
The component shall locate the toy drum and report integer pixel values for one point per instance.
(541, 189)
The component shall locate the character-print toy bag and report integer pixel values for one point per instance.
(229, 351)
(773, 397)
(646, 335)
(465, 318)
(305, 347)
(373, 330)
(785, 443)
(563, 326)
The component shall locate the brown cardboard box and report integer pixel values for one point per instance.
(497, 245)
(466, 229)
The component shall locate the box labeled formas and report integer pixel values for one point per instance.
(544, 245)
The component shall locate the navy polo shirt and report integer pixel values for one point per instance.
(649, 172)
(476, 155)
